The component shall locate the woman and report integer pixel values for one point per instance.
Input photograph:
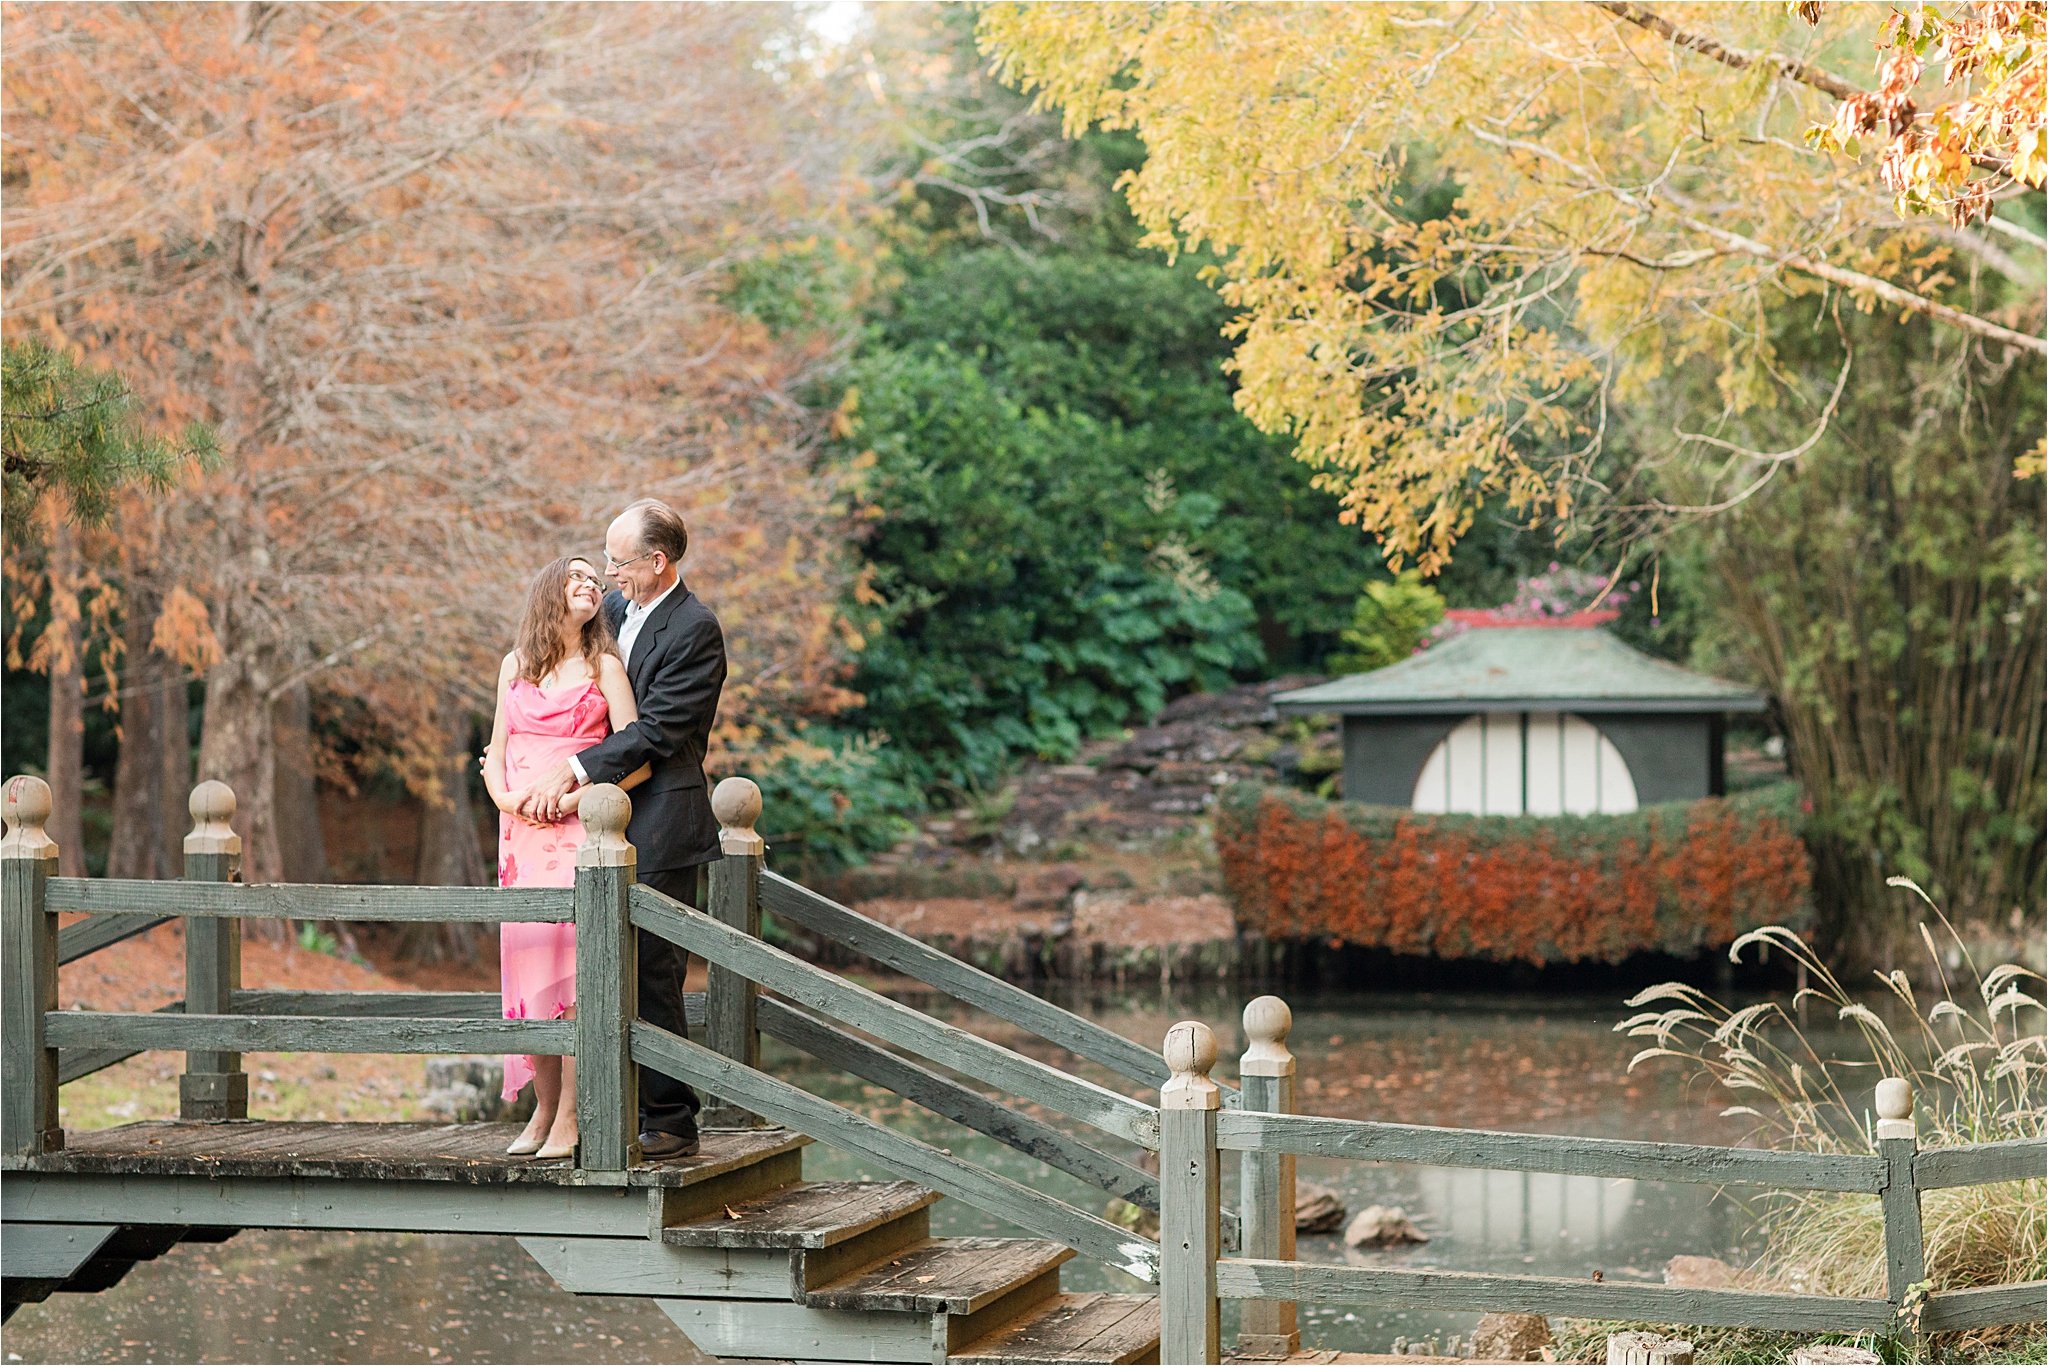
(562, 689)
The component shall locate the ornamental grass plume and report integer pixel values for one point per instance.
(1976, 1065)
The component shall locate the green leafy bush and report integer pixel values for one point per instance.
(1072, 524)
(1391, 621)
(832, 802)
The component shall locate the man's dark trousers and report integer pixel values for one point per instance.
(667, 1106)
(678, 672)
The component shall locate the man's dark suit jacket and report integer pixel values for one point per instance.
(677, 668)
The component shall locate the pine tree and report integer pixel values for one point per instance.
(72, 430)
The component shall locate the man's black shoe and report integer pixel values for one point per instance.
(657, 1147)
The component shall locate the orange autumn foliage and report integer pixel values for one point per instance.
(1668, 879)
(450, 284)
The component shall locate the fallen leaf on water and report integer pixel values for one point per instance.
(731, 1213)
(926, 1280)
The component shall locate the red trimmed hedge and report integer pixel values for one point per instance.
(1672, 879)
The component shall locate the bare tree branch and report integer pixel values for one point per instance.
(1884, 289)
(1850, 279)
(1741, 59)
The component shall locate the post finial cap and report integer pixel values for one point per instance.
(1190, 1052)
(605, 810)
(1266, 1023)
(1895, 1108)
(212, 805)
(737, 804)
(25, 805)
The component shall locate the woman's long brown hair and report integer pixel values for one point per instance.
(540, 644)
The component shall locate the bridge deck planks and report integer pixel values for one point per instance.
(472, 1154)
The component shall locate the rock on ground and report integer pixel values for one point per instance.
(469, 1090)
(1162, 779)
(1703, 1273)
(1379, 1226)
(1511, 1337)
(1316, 1208)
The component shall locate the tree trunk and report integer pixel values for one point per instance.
(66, 770)
(302, 851)
(450, 853)
(137, 849)
(261, 748)
(174, 767)
(237, 746)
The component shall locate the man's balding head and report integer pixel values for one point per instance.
(645, 545)
(654, 525)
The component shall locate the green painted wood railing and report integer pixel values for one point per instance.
(1271, 1282)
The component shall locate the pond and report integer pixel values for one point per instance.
(1533, 1064)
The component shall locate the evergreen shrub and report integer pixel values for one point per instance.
(1674, 879)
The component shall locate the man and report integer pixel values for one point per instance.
(675, 657)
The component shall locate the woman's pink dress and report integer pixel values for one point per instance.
(537, 962)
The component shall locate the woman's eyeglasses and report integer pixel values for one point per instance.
(579, 577)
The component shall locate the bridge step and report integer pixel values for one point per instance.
(38, 1260)
(1074, 1328)
(944, 1275)
(808, 1214)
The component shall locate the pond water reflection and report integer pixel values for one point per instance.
(1537, 1065)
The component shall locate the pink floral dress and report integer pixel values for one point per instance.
(537, 962)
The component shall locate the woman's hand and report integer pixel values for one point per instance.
(509, 804)
(570, 801)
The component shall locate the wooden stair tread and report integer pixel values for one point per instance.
(943, 1275)
(1094, 1327)
(807, 1214)
(473, 1154)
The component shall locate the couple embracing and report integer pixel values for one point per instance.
(605, 687)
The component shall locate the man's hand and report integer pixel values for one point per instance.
(543, 799)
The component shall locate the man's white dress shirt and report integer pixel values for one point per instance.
(629, 634)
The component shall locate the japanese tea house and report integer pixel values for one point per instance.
(1538, 720)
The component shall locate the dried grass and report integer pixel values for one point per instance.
(1975, 1059)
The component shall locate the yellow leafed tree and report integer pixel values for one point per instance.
(1633, 190)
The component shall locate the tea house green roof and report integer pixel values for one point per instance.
(1523, 668)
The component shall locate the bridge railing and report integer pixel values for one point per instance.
(1196, 1135)
(218, 1019)
(837, 1022)
(42, 1047)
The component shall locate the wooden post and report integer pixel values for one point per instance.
(28, 972)
(1904, 1255)
(1190, 1200)
(214, 1086)
(736, 901)
(1647, 1349)
(607, 985)
(1266, 1199)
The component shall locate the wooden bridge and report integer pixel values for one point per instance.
(748, 1258)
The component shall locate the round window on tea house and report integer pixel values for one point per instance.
(1531, 763)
